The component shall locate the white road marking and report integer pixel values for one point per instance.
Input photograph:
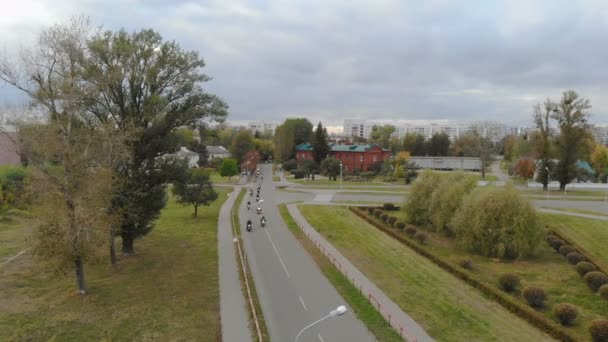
(303, 305)
(277, 253)
(14, 256)
(320, 338)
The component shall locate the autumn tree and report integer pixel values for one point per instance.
(194, 188)
(599, 159)
(525, 168)
(571, 114)
(152, 87)
(542, 116)
(320, 147)
(67, 151)
(474, 144)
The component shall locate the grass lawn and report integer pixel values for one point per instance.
(578, 211)
(326, 181)
(276, 178)
(449, 309)
(559, 193)
(591, 235)
(216, 178)
(169, 291)
(13, 234)
(364, 310)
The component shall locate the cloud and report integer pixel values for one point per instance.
(389, 59)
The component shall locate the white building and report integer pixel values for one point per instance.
(214, 152)
(601, 133)
(261, 127)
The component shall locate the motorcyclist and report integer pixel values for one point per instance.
(263, 221)
(250, 192)
(259, 210)
(249, 225)
(248, 205)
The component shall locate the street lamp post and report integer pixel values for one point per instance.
(339, 311)
(548, 180)
(340, 176)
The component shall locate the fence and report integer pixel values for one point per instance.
(370, 297)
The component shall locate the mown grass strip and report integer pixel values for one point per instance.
(364, 310)
(261, 322)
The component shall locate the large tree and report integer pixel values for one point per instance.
(68, 152)
(542, 116)
(241, 144)
(331, 167)
(474, 144)
(415, 144)
(320, 147)
(150, 87)
(439, 145)
(571, 114)
(290, 134)
(381, 135)
(194, 188)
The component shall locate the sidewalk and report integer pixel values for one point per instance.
(401, 321)
(233, 308)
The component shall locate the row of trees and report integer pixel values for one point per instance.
(112, 103)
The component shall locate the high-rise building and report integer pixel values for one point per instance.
(260, 127)
(601, 133)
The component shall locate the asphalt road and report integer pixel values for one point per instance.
(292, 291)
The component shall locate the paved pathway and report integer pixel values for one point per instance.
(233, 308)
(398, 317)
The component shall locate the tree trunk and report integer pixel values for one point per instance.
(80, 276)
(483, 170)
(112, 246)
(127, 244)
(195, 210)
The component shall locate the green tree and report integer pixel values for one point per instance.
(381, 135)
(331, 167)
(571, 115)
(290, 134)
(150, 87)
(194, 188)
(418, 204)
(265, 147)
(241, 144)
(415, 144)
(474, 144)
(320, 147)
(229, 168)
(310, 168)
(599, 158)
(439, 145)
(447, 198)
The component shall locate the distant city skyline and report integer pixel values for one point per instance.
(389, 59)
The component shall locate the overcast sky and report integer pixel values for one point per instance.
(371, 59)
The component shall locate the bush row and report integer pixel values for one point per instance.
(511, 304)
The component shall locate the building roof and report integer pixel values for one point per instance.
(304, 147)
(184, 152)
(217, 150)
(354, 148)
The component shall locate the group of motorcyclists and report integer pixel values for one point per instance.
(263, 221)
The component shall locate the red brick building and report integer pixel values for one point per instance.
(353, 157)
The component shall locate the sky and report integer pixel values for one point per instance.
(329, 60)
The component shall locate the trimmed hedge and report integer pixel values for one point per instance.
(581, 250)
(585, 267)
(575, 257)
(392, 220)
(509, 303)
(595, 280)
(599, 330)
(565, 313)
(421, 238)
(556, 243)
(371, 210)
(400, 225)
(508, 282)
(603, 291)
(388, 206)
(377, 212)
(410, 231)
(566, 249)
(535, 296)
(466, 263)
(384, 217)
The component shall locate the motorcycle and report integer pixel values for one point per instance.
(259, 210)
(248, 206)
(249, 226)
(263, 223)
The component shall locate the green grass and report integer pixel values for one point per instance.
(364, 310)
(590, 234)
(13, 235)
(560, 193)
(329, 182)
(449, 309)
(216, 178)
(169, 291)
(578, 211)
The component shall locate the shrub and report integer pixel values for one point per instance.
(556, 243)
(384, 217)
(565, 313)
(421, 237)
(447, 199)
(400, 225)
(370, 210)
(418, 203)
(298, 173)
(595, 280)
(508, 282)
(584, 267)
(411, 231)
(603, 291)
(599, 330)
(466, 263)
(574, 258)
(566, 249)
(497, 222)
(535, 296)
(290, 165)
(388, 206)
(392, 220)
(377, 212)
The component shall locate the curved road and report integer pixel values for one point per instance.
(292, 290)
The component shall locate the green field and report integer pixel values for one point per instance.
(590, 234)
(364, 310)
(216, 178)
(169, 291)
(449, 309)
(577, 211)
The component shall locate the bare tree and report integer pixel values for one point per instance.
(67, 152)
(541, 119)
